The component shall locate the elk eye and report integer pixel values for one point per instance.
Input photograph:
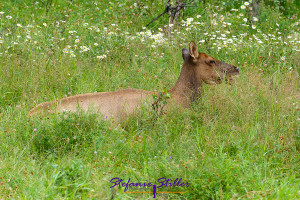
(212, 62)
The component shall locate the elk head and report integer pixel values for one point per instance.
(206, 68)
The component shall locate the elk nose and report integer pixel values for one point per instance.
(236, 68)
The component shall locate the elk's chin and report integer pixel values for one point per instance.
(231, 80)
(210, 82)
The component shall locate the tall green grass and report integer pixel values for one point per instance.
(237, 141)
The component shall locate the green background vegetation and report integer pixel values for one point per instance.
(236, 142)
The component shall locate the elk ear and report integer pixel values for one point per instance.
(194, 50)
(185, 54)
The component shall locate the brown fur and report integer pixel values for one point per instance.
(197, 68)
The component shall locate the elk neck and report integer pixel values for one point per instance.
(188, 86)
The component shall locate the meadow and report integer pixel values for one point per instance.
(239, 141)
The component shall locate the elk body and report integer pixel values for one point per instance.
(197, 68)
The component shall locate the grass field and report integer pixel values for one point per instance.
(237, 141)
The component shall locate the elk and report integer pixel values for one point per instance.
(198, 68)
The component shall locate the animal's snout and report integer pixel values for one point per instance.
(236, 68)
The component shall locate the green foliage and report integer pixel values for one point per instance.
(67, 181)
(70, 132)
(237, 141)
(160, 101)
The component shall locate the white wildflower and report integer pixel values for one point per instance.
(101, 57)
(190, 19)
(148, 33)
